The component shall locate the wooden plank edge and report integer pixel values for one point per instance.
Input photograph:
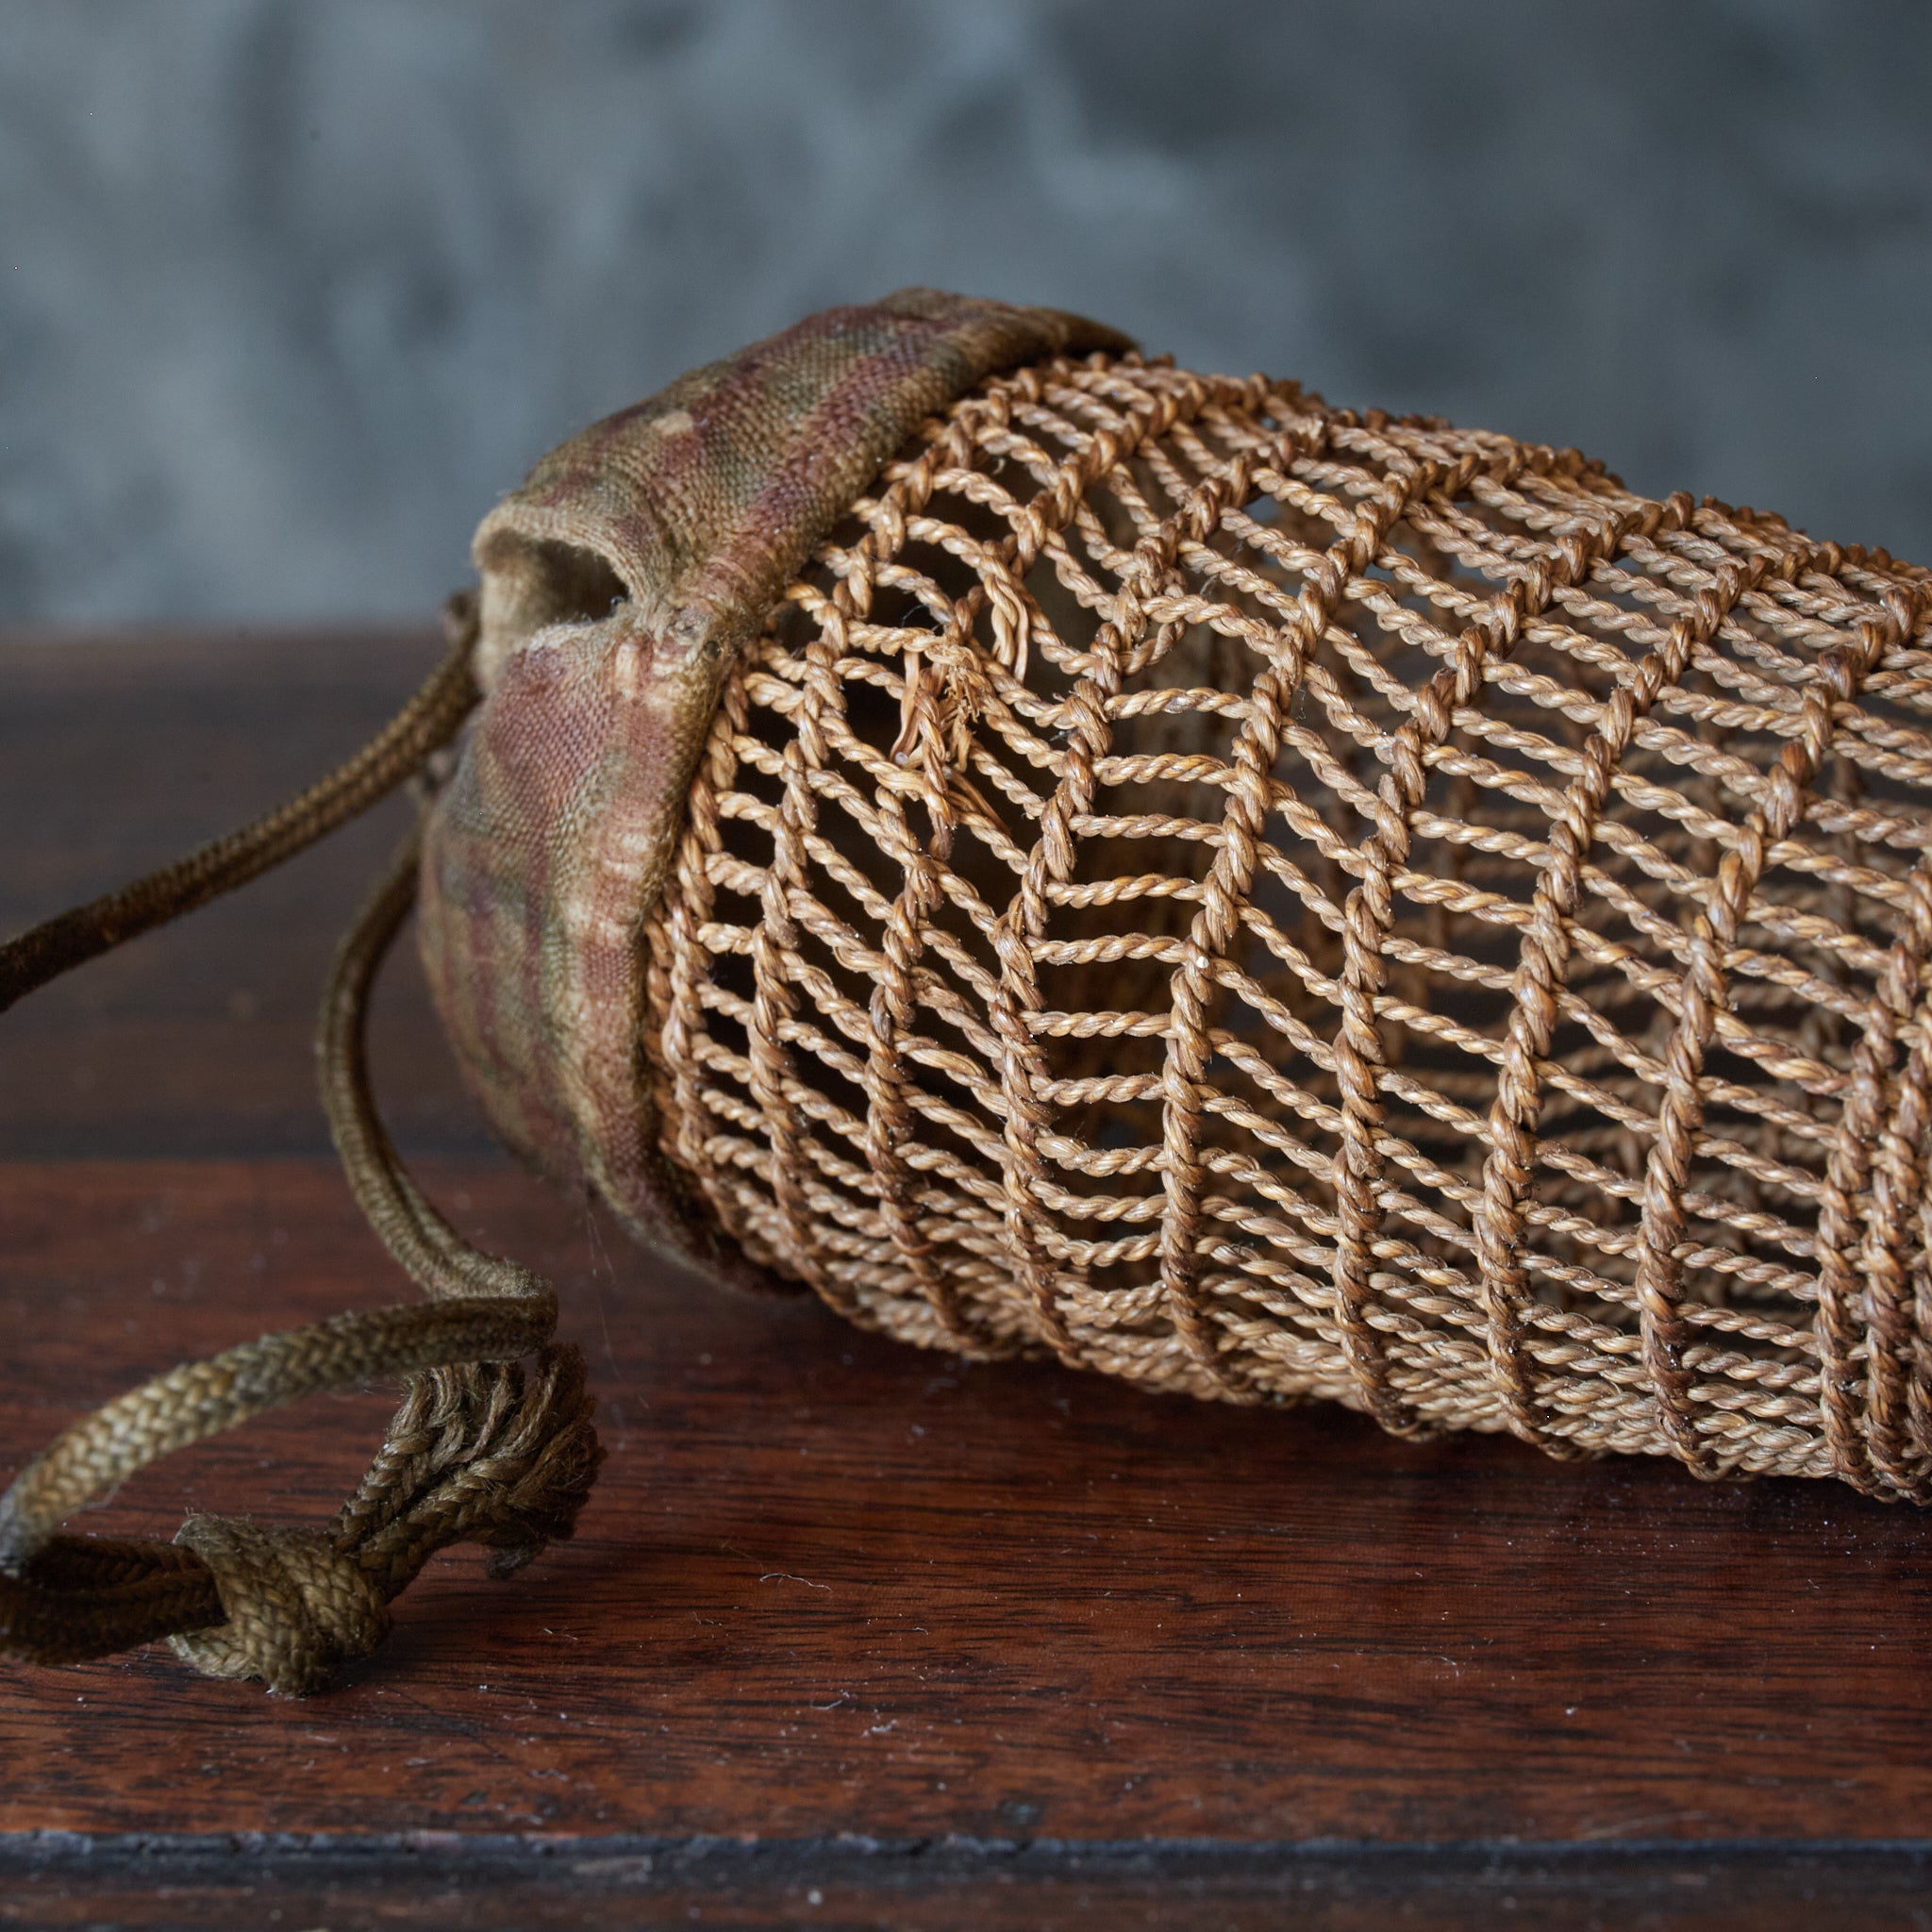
(56, 1878)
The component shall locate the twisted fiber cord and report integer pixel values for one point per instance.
(1369, 915)
(1397, 918)
(1892, 1161)
(478, 1452)
(932, 715)
(1507, 1172)
(427, 722)
(1840, 674)
(894, 1005)
(1024, 1071)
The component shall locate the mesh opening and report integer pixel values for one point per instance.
(1268, 901)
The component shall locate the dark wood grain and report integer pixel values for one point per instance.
(828, 1583)
(829, 1586)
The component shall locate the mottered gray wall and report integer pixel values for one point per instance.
(291, 290)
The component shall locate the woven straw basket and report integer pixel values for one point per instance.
(1063, 855)
(1270, 901)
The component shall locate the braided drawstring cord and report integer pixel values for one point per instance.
(484, 1448)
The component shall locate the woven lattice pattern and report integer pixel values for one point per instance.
(1268, 901)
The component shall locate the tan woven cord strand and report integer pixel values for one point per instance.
(481, 1450)
(1268, 901)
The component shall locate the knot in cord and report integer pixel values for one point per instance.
(298, 1608)
(485, 1453)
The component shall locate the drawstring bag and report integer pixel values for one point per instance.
(1065, 856)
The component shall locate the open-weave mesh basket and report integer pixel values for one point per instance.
(1270, 901)
(1063, 855)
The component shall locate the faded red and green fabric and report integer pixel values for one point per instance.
(620, 585)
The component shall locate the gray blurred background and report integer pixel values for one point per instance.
(291, 289)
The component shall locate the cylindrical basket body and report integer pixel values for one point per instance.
(1271, 901)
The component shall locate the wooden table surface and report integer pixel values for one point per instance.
(851, 1634)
